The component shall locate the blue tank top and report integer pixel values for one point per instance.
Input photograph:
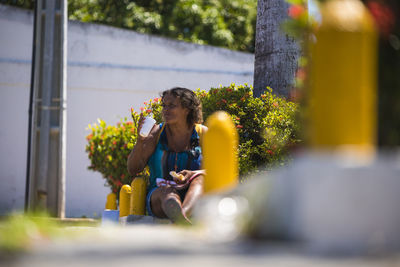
(163, 160)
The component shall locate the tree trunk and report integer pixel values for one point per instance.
(275, 52)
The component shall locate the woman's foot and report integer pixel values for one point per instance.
(174, 212)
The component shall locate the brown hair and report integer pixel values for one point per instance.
(189, 100)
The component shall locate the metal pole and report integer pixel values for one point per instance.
(47, 155)
(30, 112)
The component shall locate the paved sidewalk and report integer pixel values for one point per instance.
(170, 245)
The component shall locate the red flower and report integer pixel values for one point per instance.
(148, 110)
(301, 74)
(239, 126)
(89, 137)
(270, 152)
(223, 100)
(275, 104)
(295, 11)
(114, 142)
(145, 103)
(141, 109)
(229, 90)
(383, 16)
(125, 145)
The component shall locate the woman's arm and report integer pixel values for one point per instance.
(143, 150)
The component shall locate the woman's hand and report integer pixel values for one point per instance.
(141, 138)
(182, 177)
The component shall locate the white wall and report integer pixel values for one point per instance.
(109, 71)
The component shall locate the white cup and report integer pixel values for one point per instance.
(147, 126)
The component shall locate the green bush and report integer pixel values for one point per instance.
(266, 127)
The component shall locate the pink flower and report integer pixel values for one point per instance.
(239, 126)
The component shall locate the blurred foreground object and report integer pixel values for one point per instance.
(326, 204)
(220, 153)
(342, 97)
(331, 203)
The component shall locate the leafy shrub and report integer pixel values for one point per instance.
(266, 127)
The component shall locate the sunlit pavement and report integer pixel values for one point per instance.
(345, 212)
(167, 245)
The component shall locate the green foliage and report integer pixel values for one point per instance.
(216, 22)
(19, 232)
(226, 23)
(108, 148)
(266, 127)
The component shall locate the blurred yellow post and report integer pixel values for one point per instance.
(138, 196)
(124, 200)
(220, 153)
(111, 203)
(342, 97)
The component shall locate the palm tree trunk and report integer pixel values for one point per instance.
(275, 52)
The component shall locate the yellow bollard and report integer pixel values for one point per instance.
(111, 203)
(124, 200)
(220, 153)
(138, 197)
(342, 97)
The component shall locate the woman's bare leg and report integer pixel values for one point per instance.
(195, 191)
(166, 203)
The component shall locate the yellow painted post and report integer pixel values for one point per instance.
(111, 203)
(124, 200)
(342, 98)
(138, 197)
(220, 153)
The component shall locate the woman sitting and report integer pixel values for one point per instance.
(173, 153)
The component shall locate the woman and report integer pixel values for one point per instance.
(172, 146)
